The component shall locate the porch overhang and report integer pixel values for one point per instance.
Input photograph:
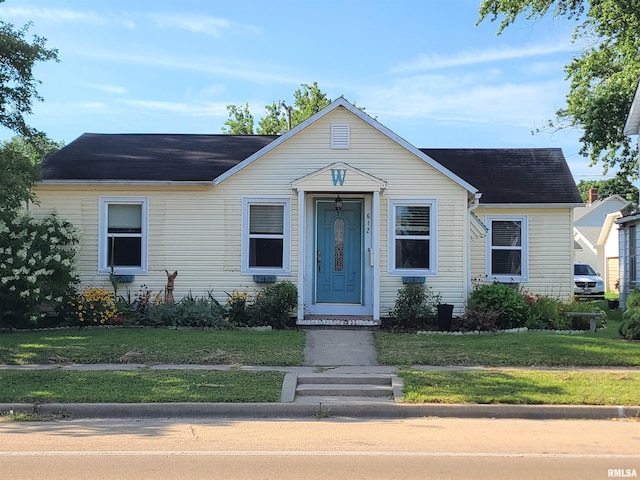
(339, 177)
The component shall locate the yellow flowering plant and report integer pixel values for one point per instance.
(94, 306)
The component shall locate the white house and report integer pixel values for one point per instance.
(596, 235)
(340, 205)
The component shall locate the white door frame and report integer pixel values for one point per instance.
(306, 257)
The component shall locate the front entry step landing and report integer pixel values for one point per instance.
(341, 388)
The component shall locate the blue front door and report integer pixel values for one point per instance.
(338, 252)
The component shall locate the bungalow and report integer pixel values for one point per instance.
(339, 205)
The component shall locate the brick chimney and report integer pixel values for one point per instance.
(593, 195)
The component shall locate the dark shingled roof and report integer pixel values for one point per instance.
(512, 175)
(502, 175)
(151, 157)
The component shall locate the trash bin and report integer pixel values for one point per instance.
(445, 314)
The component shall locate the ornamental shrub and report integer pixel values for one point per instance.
(504, 300)
(546, 313)
(415, 306)
(273, 306)
(630, 327)
(36, 265)
(634, 299)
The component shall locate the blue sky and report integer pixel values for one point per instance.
(422, 68)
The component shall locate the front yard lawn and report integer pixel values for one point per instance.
(153, 346)
(139, 386)
(524, 387)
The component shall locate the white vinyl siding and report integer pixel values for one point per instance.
(266, 236)
(412, 237)
(122, 238)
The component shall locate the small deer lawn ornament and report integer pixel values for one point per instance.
(168, 296)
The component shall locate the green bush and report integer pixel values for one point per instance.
(630, 326)
(498, 298)
(582, 323)
(36, 265)
(415, 306)
(273, 306)
(633, 301)
(546, 313)
(481, 320)
(198, 312)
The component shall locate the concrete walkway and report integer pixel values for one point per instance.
(334, 347)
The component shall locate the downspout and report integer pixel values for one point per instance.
(470, 208)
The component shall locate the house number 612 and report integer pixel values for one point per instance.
(368, 222)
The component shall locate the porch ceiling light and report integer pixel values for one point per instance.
(337, 204)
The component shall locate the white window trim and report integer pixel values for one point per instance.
(433, 238)
(286, 232)
(103, 266)
(524, 247)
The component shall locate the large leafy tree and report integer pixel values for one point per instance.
(18, 55)
(618, 185)
(279, 116)
(603, 76)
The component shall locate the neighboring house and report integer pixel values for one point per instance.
(596, 235)
(339, 205)
(629, 224)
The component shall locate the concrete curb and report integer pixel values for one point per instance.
(368, 410)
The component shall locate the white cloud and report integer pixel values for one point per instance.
(211, 66)
(196, 23)
(474, 57)
(93, 105)
(109, 88)
(52, 15)
(473, 98)
(200, 109)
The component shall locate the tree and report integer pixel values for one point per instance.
(240, 121)
(603, 76)
(618, 185)
(279, 117)
(36, 255)
(17, 84)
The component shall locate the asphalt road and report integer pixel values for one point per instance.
(335, 448)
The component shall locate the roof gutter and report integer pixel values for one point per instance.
(531, 205)
(126, 183)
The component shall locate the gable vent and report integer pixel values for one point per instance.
(340, 135)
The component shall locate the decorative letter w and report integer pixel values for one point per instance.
(337, 175)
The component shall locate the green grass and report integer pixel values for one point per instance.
(286, 348)
(152, 346)
(521, 387)
(529, 349)
(508, 350)
(139, 386)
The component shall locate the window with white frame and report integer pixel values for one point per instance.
(266, 236)
(412, 237)
(122, 241)
(507, 256)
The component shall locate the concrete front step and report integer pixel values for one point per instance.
(344, 385)
(348, 378)
(344, 390)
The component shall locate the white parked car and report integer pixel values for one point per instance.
(587, 283)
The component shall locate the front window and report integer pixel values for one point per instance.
(123, 235)
(507, 253)
(265, 236)
(412, 237)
